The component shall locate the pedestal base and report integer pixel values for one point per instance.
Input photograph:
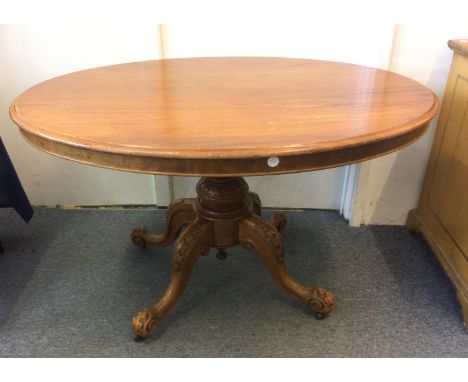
(224, 214)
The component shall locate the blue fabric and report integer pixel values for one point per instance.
(11, 192)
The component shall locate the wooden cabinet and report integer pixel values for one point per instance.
(442, 214)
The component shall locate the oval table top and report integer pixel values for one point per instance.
(224, 116)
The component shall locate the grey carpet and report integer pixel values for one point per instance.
(70, 282)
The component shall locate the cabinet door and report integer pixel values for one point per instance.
(448, 198)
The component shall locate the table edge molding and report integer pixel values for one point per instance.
(225, 167)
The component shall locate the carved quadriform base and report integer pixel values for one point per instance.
(224, 214)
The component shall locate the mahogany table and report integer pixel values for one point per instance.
(221, 119)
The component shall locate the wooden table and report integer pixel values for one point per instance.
(221, 119)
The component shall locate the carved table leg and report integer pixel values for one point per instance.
(192, 243)
(256, 203)
(223, 215)
(264, 238)
(278, 219)
(179, 214)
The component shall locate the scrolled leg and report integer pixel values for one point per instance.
(321, 302)
(179, 214)
(192, 243)
(144, 323)
(257, 204)
(265, 239)
(279, 220)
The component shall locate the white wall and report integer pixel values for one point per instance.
(30, 54)
(392, 184)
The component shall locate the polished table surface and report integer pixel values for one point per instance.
(223, 118)
(225, 115)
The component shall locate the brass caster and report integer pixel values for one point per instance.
(221, 255)
(138, 237)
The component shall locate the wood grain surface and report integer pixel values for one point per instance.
(459, 46)
(224, 115)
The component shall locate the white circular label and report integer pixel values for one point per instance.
(273, 161)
